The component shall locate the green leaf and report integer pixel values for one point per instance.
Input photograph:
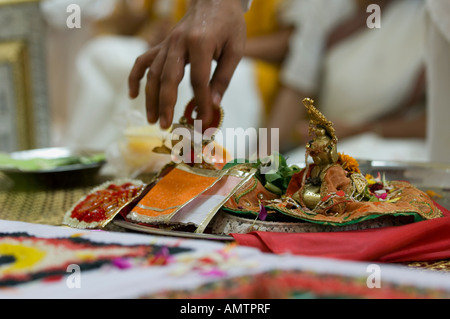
(274, 189)
(272, 177)
(373, 199)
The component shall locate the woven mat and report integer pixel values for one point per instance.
(39, 206)
(45, 206)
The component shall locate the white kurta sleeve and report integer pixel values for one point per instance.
(313, 20)
(246, 4)
(438, 68)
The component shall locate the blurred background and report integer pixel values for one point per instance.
(67, 86)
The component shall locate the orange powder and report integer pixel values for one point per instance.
(171, 192)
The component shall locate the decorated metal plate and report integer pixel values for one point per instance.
(173, 233)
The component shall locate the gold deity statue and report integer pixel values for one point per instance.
(323, 151)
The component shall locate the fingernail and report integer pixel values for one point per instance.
(162, 122)
(217, 98)
(151, 118)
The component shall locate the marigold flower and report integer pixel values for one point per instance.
(348, 163)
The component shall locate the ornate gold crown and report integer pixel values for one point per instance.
(318, 119)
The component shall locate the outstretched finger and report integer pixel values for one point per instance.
(153, 85)
(171, 76)
(226, 65)
(200, 59)
(142, 63)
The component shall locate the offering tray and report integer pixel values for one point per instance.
(330, 192)
(336, 192)
(432, 178)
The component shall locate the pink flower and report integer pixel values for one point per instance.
(381, 196)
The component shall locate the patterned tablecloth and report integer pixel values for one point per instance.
(42, 261)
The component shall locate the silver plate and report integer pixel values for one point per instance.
(173, 233)
(425, 176)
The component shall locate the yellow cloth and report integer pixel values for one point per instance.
(262, 19)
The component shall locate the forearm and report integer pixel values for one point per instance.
(271, 48)
(353, 25)
(398, 123)
(402, 128)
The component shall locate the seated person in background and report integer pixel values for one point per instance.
(364, 80)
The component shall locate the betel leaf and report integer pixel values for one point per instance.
(273, 177)
(278, 181)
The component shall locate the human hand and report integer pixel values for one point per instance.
(211, 29)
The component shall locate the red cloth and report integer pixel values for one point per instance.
(420, 241)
